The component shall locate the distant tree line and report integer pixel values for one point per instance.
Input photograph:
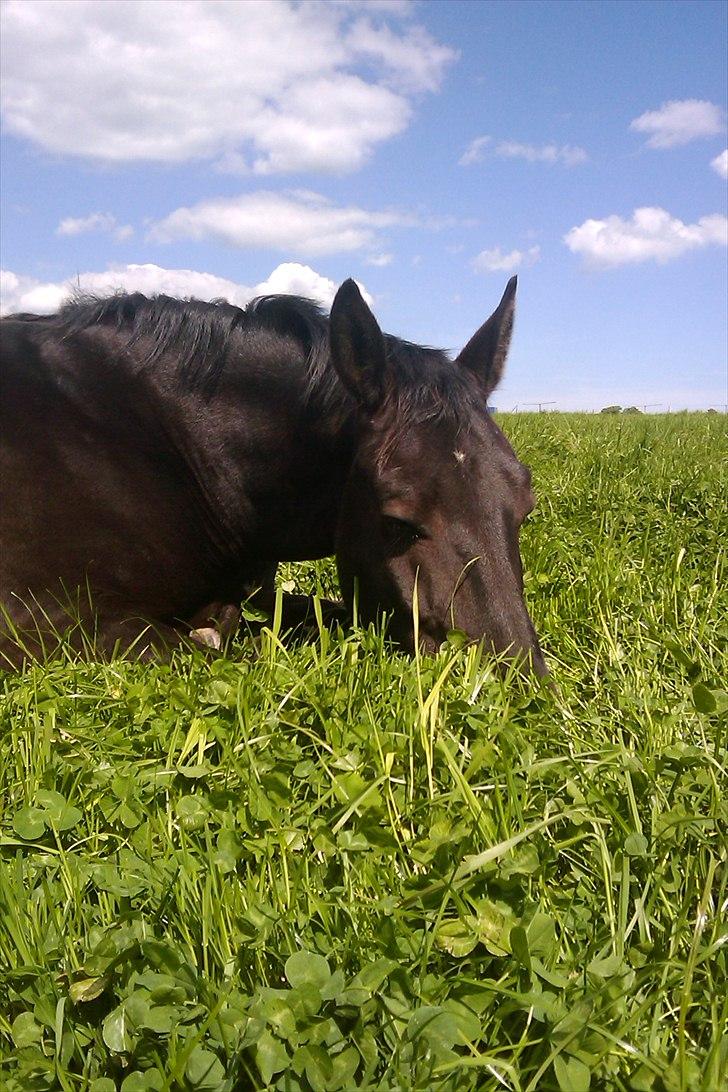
(636, 409)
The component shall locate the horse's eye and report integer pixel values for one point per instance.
(399, 535)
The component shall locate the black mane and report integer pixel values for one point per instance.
(427, 383)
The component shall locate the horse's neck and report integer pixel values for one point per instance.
(268, 466)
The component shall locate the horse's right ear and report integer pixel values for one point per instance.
(357, 347)
(486, 352)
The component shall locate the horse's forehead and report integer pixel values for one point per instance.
(440, 448)
(418, 447)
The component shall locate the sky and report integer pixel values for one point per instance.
(429, 150)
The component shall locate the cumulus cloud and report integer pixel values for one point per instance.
(475, 151)
(21, 293)
(495, 261)
(651, 235)
(720, 164)
(95, 221)
(567, 154)
(268, 85)
(680, 121)
(297, 223)
(300, 280)
(326, 124)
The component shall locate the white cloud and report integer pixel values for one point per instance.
(294, 279)
(413, 60)
(330, 123)
(651, 235)
(379, 260)
(567, 154)
(298, 223)
(495, 261)
(401, 8)
(266, 85)
(720, 164)
(95, 221)
(680, 121)
(475, 151)
(20, 293)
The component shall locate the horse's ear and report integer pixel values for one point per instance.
(357, 347)
(486, 352)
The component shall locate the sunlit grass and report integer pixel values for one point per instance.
(323, 865)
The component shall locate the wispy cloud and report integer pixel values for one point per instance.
(720, 164)
(95, 221)
(679, 122)
(379, 260)
(475, 151)
(401, 8)
(412, 59)
(495, 261)
(267, 87)
(21, 293)
(651, 235)
(567, 154)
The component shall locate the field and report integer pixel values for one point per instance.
(322, 865)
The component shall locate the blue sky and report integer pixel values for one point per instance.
(427, 149)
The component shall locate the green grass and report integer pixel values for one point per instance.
(326, 866)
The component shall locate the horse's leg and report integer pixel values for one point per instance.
(138, 639)
(104, 636)
(212, 625)
(297, 610)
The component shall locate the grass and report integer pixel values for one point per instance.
(326, 866)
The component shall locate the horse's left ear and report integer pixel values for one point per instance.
(357, 347)
(486, 352)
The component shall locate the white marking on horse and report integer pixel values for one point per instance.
(207, 637)
(460, 456)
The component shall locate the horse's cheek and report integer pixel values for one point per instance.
(403, 574)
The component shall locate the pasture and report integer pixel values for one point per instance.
(323, 865)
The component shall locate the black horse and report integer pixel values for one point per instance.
(159, 458)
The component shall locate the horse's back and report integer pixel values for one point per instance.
(27, 405)
(91, 491)
(23, 370)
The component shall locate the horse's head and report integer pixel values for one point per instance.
(436, 496)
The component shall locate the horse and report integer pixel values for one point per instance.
(160, 457)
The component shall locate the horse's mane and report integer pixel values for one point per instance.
(200, 334)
